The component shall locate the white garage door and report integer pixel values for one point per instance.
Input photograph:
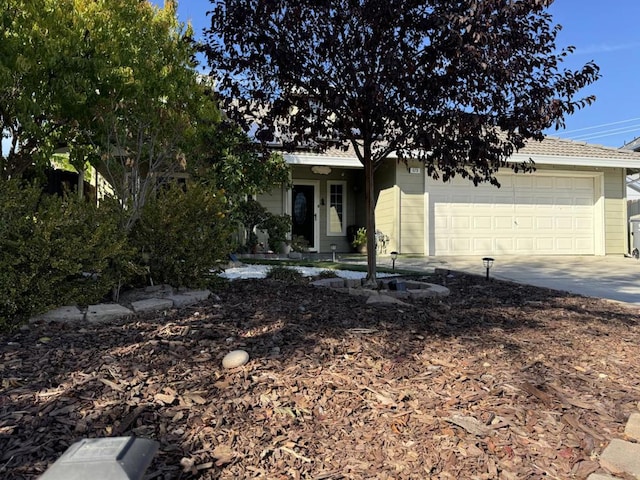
(530, 214)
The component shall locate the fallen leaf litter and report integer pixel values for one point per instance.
(496, 381)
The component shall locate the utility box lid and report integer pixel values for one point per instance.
(116, 458)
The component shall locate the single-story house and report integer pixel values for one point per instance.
(633, 182)
(573, 204)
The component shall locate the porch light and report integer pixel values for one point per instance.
(394, 256)
(333, 252)
(321, 170)
(488, 263)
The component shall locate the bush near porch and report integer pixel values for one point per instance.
(57, 251)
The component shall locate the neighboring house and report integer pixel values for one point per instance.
(633, 181)
(574, 204)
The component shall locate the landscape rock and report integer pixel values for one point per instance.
(601, 476)
(384, 300)
(363, 292)
(62, 314)
(621, 457)
(235, 359)
(189, 297)
(151, 305)
(431, 292)
(105, 312)
(632, 429)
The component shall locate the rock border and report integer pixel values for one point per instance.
(391, 290)
(150, 299)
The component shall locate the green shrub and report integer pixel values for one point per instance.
(278, 228)
(56, 251)
(183, 235)
(285, 274)
(327, 274)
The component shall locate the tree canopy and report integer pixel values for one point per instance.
(459, 85)
(115, 83)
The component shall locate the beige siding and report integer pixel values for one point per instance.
(615, 212)
(411, 208)
(387, 204)
(272, 201)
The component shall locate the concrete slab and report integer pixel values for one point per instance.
(105, 312)
(62, 314)
(621, 457)
(601, 476)
(632, 429)
(151, 305)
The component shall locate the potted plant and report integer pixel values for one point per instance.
(278, 228)
(360, 240)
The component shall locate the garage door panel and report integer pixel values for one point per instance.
(544, 244)
(545, 214)
(504, 245)
(461, 244)
(524, 223)
(524, 244)
(583, 201)
(461, 223)
(480, 223)
(503, 223)
(482, 244)
(564, 223)
(565, 245)
(545, 200)
(544, 223)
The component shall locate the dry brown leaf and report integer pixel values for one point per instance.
(223, 455)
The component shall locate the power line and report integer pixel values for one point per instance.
(608, 133)
(599, 126)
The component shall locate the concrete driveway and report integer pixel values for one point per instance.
(612, 277)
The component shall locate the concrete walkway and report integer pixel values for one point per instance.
(613, 277)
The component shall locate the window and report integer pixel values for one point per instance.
(336, 208)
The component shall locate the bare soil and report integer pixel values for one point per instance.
(497, 381)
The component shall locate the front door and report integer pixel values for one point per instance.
(303, 213)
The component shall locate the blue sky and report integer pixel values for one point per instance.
(605, 32)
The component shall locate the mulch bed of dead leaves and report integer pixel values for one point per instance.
(497, 381)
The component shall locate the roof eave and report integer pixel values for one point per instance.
(321, 160)
(570, 161)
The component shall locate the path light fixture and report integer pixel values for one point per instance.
(488, 263)
(394, 256)
(333, 252)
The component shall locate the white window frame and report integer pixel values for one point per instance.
(343, 232)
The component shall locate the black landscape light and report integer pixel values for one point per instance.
(488, 263)
(394, 256)
(117, 458)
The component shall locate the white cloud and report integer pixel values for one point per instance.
(606, 48)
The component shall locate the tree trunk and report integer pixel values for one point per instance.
(81, 183)
(369, 197)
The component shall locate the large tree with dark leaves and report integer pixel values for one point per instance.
(460, 85)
